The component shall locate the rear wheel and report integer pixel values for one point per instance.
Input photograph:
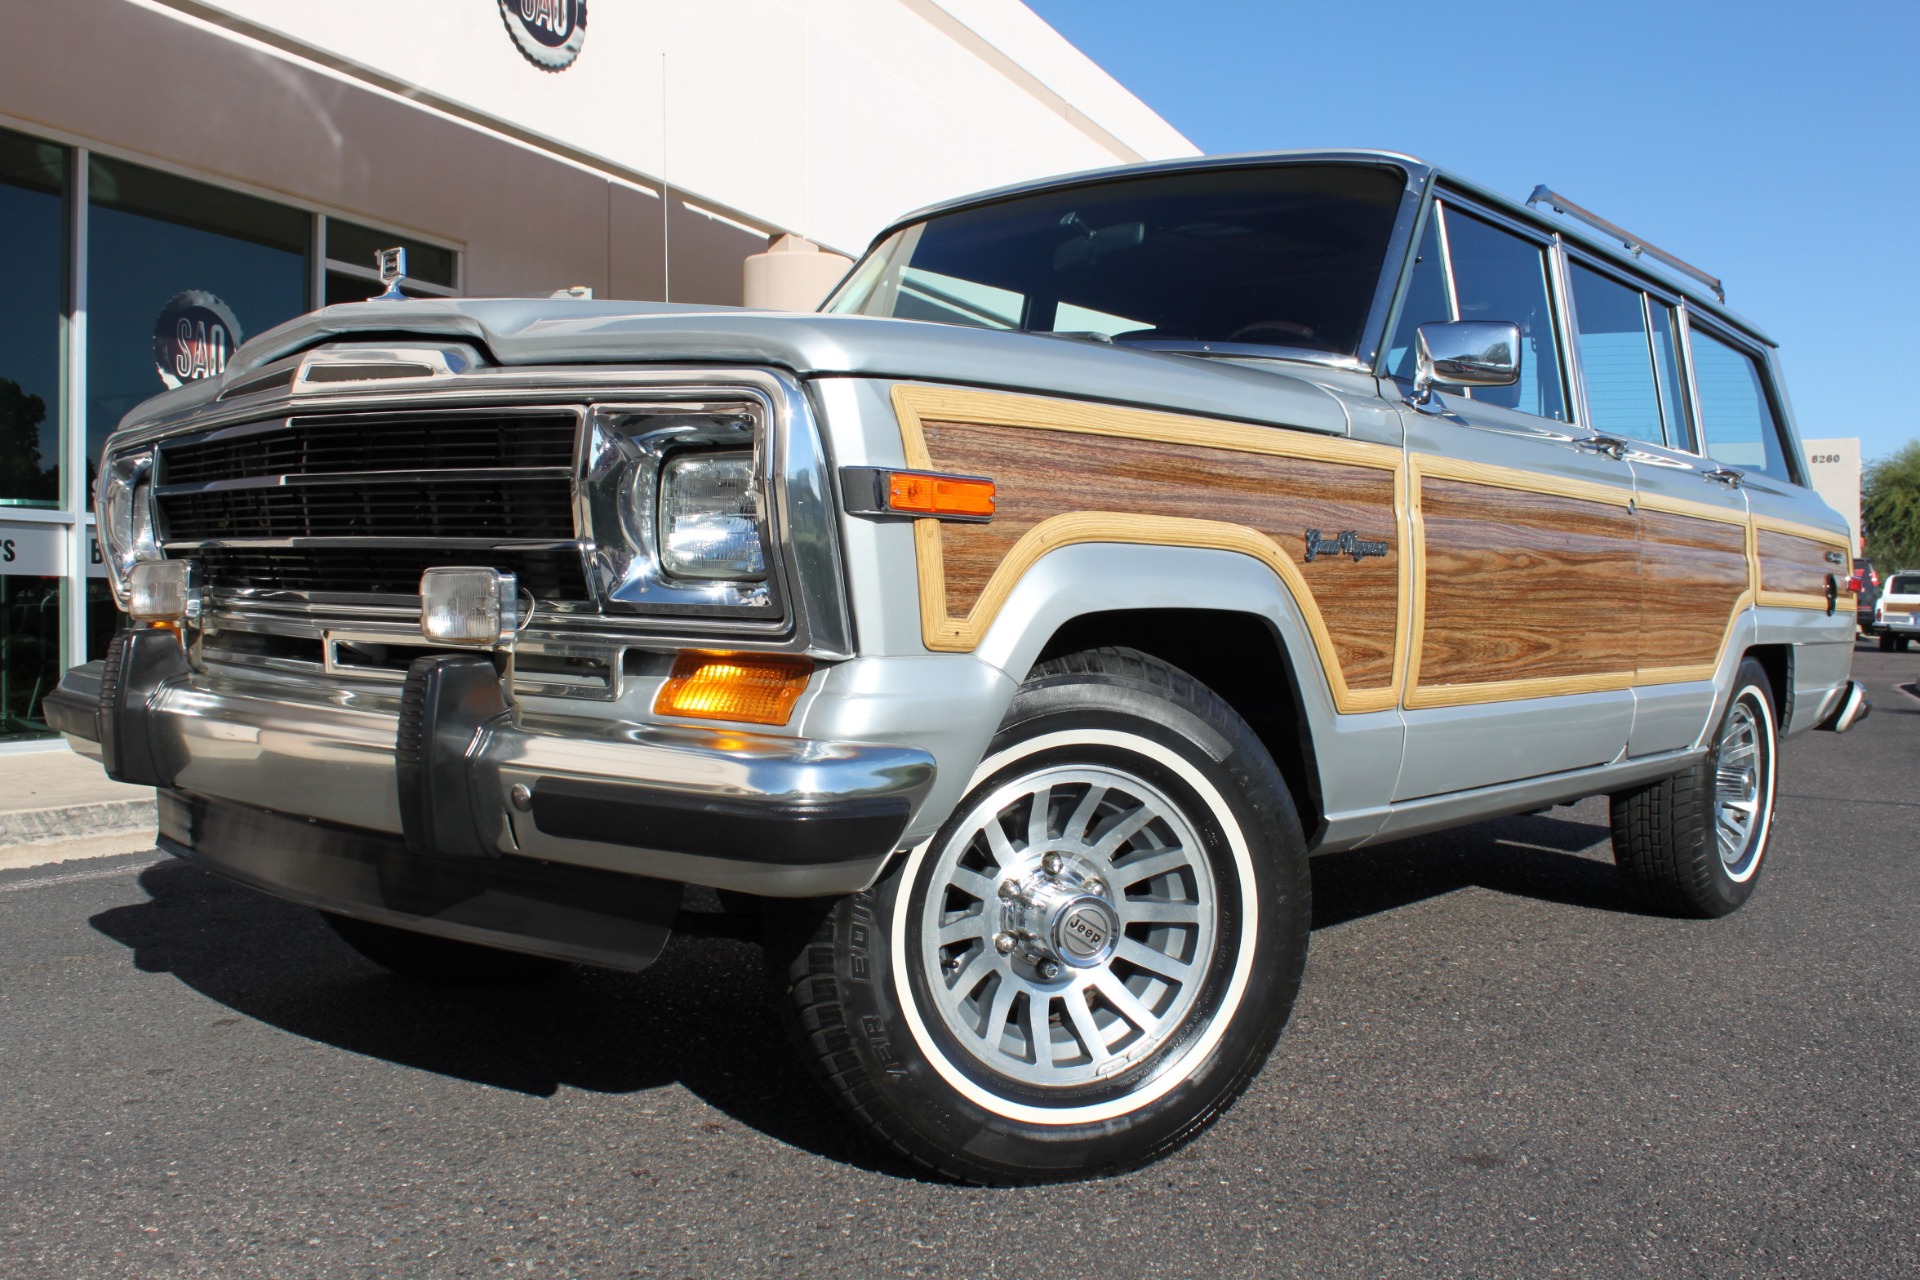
(1692, 844)
(1887, 643)
(1091, 958)
(423, 957)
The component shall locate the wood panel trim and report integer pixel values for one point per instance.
(1812, 533)
(1439, 467)
(1827, 538)
(946, 633)
(1697, 510)
(1417, 697)
(1425, 465)
(914, 404)
(1457, 695)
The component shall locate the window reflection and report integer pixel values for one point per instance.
(1616, 360)
(1501, 277)
(32, 262)
(155, 236)
(1734, 409)
(29, 651)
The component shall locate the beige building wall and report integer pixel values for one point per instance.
(1834, 468)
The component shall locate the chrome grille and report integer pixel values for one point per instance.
(372, 442)
(550, 575)
(410, 508)
(348, 504)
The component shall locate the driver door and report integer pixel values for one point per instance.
(1526, 610)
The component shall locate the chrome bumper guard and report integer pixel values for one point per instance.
(445, 771)
(1850, 707)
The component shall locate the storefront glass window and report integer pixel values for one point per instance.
(29, 652)
(354, 244)
(203, 258)
(33, 264)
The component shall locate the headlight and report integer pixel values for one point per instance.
(709, 521)
(123, 505)
(678, 507)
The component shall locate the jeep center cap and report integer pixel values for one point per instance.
(1085, 931)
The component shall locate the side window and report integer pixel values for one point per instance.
(1426, 301)
(1499, 276)
(1666, 369)
(1616, 359)
(1735, 415)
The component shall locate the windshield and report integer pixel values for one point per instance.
(1284, 257)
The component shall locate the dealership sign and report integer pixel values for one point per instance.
(548, 32)
(38, 549)
(194, 336)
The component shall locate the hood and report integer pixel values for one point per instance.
(529, 331)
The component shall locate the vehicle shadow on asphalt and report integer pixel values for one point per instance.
(704, 1016)
(1533, 856)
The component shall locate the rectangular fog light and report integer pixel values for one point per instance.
(467, 606)
(161, 591)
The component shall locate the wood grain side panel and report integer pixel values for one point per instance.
(1525, 587)
(1694, 578)
(1045, 476)
(1794, 569)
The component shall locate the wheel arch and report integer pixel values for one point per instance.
(1214, 614)
(1777, 661)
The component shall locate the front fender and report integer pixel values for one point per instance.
(1358, 754)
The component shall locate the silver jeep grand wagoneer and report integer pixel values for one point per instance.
(1007, 635)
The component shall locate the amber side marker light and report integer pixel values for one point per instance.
(878, 491)
(758, 688)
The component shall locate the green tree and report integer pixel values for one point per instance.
(1890, 509)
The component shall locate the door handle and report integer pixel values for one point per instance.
(1726, 476)
(1612, 446)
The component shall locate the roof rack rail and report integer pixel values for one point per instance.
(1634, 244)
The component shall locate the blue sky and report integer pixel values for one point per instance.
(1775, 144)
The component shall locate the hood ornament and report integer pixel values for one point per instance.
(393, 269)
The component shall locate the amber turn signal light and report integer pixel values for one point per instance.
(881, 491)
(929, 495)
(758, 688)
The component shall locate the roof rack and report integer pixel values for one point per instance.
(1634, 244)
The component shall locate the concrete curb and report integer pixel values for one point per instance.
(68, 822)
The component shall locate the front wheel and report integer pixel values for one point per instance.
(1091, 958)
(1692, 844)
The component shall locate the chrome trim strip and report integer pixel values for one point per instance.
(322, 479)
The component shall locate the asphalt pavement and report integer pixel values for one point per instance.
(1496, 1068)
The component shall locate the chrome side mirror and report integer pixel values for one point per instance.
(1464, 353)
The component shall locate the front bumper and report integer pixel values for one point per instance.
(447, 772)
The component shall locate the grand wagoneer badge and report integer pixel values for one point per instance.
(1348, 543)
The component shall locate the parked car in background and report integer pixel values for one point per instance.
(1896, 615)
(1013, 630)
(1864, 582)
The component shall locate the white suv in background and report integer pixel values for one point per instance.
(1896, 618)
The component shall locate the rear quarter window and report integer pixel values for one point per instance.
(1736, 413)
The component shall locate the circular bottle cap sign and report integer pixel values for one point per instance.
(193, 338)
(548, 33)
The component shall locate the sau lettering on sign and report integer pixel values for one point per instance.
(548, 33)
(193, 337)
